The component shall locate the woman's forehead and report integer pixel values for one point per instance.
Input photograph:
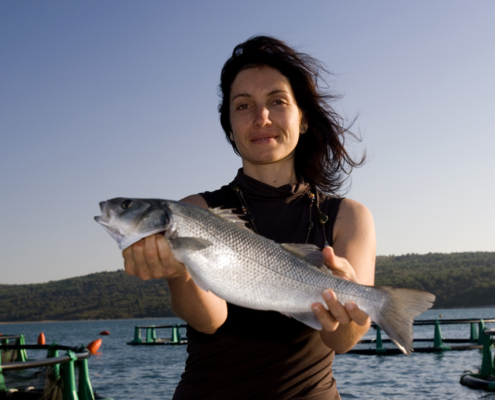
(258, 79)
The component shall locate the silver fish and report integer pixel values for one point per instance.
(248, 270)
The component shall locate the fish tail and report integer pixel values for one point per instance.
(397, 314)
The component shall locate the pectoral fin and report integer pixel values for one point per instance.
(189, 243)
(307, 318)
(184, 245)
(307, 252)
(197, 280)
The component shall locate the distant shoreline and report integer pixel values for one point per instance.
(95, 320)
(147, 318)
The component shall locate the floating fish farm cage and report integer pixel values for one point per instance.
(151, 339)
(484, 378)
(53, 377)
(431, 345)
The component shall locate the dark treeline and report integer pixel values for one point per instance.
(457, 279)
(104, 295)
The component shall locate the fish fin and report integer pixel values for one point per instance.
(189, 243)
(397, 314)
(307, 318)
(228, 214)
(309, 253)
(197, 280)
(182, 245)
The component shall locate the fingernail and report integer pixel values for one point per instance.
(327, 294)
(349, 305)
(316, 309)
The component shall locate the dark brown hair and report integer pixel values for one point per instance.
(321, 159)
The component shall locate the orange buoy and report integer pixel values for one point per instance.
(104, 333)
(41, 338)
(94, 346)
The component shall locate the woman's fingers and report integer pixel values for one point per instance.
(129, 262)
(138, 256)
(171, 268)
(337, 313)
(163, 248)
(340, 266)
(150, 258)
(141, 258)
(356, 314)
(328, 323)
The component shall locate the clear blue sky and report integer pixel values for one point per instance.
(100, 99)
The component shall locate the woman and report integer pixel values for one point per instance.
(293, 164)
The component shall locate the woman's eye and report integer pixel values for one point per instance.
(242, 107)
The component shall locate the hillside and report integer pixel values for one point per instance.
(457, 279)
(105, 295)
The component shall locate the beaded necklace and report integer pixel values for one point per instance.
(312, 199)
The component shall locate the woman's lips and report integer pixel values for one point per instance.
(263, 139)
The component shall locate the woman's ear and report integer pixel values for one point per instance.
(304, 126)
(231, 135)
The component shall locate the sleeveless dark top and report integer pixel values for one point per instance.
(263, 354)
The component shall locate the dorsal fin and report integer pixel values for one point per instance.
(307, 252)
(229, 215)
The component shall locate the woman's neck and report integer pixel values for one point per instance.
(276, 175)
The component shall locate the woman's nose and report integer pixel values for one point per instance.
(262, 117)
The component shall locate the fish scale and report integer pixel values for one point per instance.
(249, 270)
(265, 265)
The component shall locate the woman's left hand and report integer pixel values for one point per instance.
(338, 314)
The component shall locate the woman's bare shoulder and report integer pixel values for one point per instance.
(354, 220)
(355, 238)
(195, 200)
(353, 211)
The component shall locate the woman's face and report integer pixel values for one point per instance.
(264, 116)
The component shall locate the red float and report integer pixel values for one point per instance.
(41, 338)
(94, 346)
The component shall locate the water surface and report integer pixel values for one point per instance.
(152, 372)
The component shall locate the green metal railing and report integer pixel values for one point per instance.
(487, 362)
(151, 338)
(19, 341)
(485, 378)
(439, 342)
(63, 367)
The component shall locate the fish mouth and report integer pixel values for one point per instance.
(112, 230)
(105, 219)
(107, 225)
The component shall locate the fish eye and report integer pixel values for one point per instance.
(126, 204)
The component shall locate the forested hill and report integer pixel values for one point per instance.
(457, 279)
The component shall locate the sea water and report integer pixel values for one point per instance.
(128, 372)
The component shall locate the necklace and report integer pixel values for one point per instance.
(312, 200)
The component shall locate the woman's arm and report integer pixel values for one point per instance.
(353, 258)
(151, 258)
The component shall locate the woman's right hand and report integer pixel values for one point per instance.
(151, 258)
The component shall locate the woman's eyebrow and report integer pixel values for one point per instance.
(276, 91)
(241, 95)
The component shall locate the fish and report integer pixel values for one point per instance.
(224, 256)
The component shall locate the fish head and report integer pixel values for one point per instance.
(128, 220)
